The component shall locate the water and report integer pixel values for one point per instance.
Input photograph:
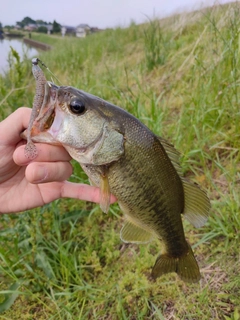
(17, 45)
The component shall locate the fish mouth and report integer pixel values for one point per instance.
(47, 112)
(43, 124)
(45, 117)
(49, 120)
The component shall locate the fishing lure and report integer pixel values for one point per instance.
(43, 105)
(30, 148)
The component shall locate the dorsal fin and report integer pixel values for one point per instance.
(173, 154)
(196, 201)
(196, 204)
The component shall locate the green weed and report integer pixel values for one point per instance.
(156, 43)
(14, 85)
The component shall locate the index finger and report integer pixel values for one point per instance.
(46, 153)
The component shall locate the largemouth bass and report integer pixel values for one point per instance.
(122, 156)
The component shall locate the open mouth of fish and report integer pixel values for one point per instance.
(42, 120)
(47, 113)
(49, 120)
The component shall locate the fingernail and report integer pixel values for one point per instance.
(41, 175)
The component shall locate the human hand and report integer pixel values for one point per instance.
(28, 184)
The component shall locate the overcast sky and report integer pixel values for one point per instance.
(99, 13)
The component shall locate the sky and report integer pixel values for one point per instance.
(96, 13)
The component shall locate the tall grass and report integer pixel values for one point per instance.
(157, 44)
(14, 85)
(180, 76)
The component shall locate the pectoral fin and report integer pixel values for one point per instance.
(134, 234)
(104, 193)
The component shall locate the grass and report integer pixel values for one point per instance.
(42, 37)
(65, 260)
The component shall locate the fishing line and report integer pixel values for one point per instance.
(37, 60)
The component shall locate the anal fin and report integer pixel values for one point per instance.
(134, 234)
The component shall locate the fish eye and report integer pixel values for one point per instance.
(77, 106)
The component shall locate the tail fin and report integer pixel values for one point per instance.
(185, 266)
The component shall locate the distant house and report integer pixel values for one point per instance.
(95, 29)
(82, 30)
(31, 27)
(68, 30)
(49, 28)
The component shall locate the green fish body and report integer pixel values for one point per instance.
(150, 192)
(123, 157)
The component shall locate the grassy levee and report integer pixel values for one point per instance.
(180, 76)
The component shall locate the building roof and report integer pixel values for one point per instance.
(68, 27)
(83, 25)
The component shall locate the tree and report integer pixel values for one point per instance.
(28, 20)
(25, 22)
(20, 24)
(41, 22)
(42, 29)
(56, 27)
(8, 27)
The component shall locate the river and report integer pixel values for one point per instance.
(17, 45)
